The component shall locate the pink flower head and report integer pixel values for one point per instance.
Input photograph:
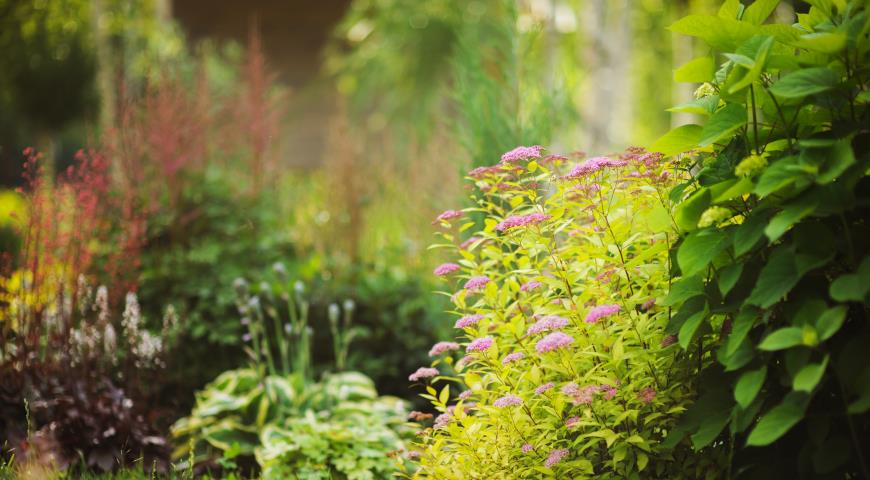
(465, 360)
(543, 388)
(413, 455)
(527, 447)
(553, 341)
(648, 304)
(423, 372)
(476, 283)
(668, 341)
(508, 401)
(464, 245)
(555, 457)
(447, 215)
(513, 357)
(468, 321)
(548, 323)
(593, 165)
(445, 269)
(531, 285)
(647, 395)
(465, 395)
(608, 391)
(515, 221)
(570, 389)
(522, 153)
(442, 347)
(600, 312)
(441, 421)
(572, 422)
(479, 344)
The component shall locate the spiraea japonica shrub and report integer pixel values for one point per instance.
(561, 357)
(773, 256)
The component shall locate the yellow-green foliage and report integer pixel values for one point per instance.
(585, 248)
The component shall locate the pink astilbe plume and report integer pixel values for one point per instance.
(593, 165)
(476, 283)
(468, 321)
(422, 373)
(553, 341)
(522, 153)
(508, 401)
(442, 347)
(515, 221)
(479, 344)
(600, 312)
(445, 269)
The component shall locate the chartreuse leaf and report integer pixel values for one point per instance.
(822, 42)
(783, 338)
(723, 123)
(757, 46)
(702, 106)
(758, 12)
(853, 286)
(730, 9)
(748, 386)
(699, 249)
(678, 140)
(779, 420)
(807, 81)
(697, 70)
(776, 279)
(684, 289)
(809, 376)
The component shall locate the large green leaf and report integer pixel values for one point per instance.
(758, 12)
(830, 322)
(776, 279)
(782, 339)
(807, 81)
(699, 249)
(723, 34)
(690, 210)
(748, 386)
(697, 70)
(779, 420)
(678, 140)
(684, 289)
(779, 175)
(748, 233)
(809, 376)
(723, 123)
(690, 327)
(853, 286)
(790, 215)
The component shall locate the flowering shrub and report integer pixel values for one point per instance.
(567, 369)
(773, 261)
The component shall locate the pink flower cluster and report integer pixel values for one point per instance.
(572, 422)
(447, 215)
(508, 401)
(445, 269)
(423, 372)
(647, 395)
(527, 447)
(543, 388)
(600, 312)
(547, 323)
(593, 165)
(464, 245)
(442, 347)
(468, 321)
(515, 221)
(442, 420)
(513, 357)
(522, 153)
(553, 341)
(555, 457)
(476, 283)
(479, 344)
(531, 285)
(465, 395)
(580, 396)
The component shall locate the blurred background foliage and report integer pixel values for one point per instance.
(199, 138)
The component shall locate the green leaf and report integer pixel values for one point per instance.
(690, 210)
(822, 42)
(747, 234)
(778, 421)
(728, 277)
(776, 279)
(807, 81)
(723, 34)
(687, 331)
(809, 376)
(758, 12)
(683, 289)
(742, 325)
(777, 176)
(791, 214)
(678, 140)
(852, 286)
(699, 249)
(748, 386)
(697, 70)
(830, 322)
(702, 106)
(783, 338)
(730, 9)
(758, 46)
(723, 123)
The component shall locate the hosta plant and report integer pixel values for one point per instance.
(773, 255)
(561, 367)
